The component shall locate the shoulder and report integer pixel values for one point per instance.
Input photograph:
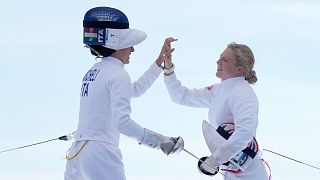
(114, 71)
(243, 92)
(120, 74)
(212, 89)
(113, 74)
(215, 88)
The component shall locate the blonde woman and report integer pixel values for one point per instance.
(233, 115)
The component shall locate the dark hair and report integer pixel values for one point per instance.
(103, 51)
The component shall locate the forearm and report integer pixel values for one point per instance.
(184, 96)
(146, 80)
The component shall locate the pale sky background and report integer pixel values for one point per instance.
(43, 61)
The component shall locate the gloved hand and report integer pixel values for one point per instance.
(208, 166)
(168, 145)
(173, 146)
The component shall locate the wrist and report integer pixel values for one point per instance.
(160, 66)
(159, 62)
(213, 161)
(168, 74)
(170, 71)
(205, 167)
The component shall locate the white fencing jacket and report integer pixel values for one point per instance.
(232, 100)
(105, 101)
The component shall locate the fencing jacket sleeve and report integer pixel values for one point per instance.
(178, 93)
(121, 99)
(145, 81)
(121, 109)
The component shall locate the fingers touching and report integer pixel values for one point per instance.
(166, 51)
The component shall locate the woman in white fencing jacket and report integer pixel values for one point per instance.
(105, 99)
(233, 115)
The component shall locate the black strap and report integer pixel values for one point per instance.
(105, 24)
(223, 133)
(250, 152)
(226, 136)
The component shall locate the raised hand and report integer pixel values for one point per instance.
(166, 51)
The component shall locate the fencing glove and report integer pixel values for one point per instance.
(208, 166)
(168, 145)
